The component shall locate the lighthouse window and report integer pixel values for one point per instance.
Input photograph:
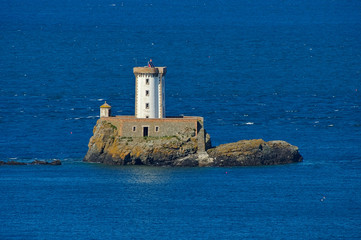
(134, 128)
(147, 105)
(146, 92)
(156, 128)
(147, 81)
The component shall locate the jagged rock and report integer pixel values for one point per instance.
(105, 146)
(254, 152)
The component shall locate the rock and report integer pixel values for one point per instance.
(39, 162)
(254, 152)
(13, 163)
(35, 162)
(55, 162)
(105, 146)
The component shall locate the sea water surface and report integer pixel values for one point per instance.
(277, 70)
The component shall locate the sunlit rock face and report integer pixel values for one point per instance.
(254, 152)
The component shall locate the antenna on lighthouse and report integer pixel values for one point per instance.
(150, 64)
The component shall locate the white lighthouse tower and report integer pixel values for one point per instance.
(149, 91)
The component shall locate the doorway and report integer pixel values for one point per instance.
(145, 131)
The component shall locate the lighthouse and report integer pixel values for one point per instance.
(150, 119)
(149, 91)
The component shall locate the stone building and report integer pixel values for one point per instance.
(150, 119)
(105, 110)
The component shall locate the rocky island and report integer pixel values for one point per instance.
(182, 149)
(152, 138)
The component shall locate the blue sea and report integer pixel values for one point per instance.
(277, 70)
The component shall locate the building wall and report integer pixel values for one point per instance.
(160, 127)
(149, 92)
(156, 129)
(147, 95)
(161, 99)
(104, 112)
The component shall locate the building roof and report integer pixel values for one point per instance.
(105, 105)
(156, 70)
